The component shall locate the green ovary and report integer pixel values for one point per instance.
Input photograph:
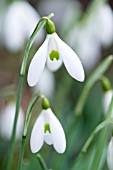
(54, 55)
(47, 128)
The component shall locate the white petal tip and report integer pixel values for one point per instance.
(33, 151)
(61, 151)
(82, 78)
(31, 83)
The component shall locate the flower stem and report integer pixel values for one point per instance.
(40, 24)
(26, 123)
(11, 150)
(21, 152)
(42, 163)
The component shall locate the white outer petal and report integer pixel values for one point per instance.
(71, 60)
(110, 155)
(57, 132)
(37, 135)
(37, 64)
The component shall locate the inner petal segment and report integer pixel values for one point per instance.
(54, 55)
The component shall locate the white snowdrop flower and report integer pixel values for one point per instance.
(47, 128)
(91, 34)
(19, 22)
(46, 84)
(87, 48)
(110, 155)
(103, 25)
(106, 100)
(7, 119)
(54, 51)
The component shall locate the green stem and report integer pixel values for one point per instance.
(11, 150)
(91, 137)
(26, 123)
(95, 76)
(42, 163)
(21, 152)
(40, 24)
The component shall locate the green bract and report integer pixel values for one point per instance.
(45, 103)
(50, 27)
(105, 83)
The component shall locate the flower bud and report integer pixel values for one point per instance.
(105, 84)
(45, 103)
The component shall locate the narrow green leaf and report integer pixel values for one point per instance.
(95, 76)
(42, 162)
(102, 140)
(91, 137)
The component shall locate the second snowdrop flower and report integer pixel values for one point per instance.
(47, 128)
(54, 51)
(107, 100)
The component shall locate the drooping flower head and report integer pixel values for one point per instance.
(53, 52)
(47, 128)
(7, 115)
(17, 24)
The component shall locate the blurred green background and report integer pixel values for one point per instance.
(87, 27)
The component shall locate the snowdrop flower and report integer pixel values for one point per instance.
(106, 100)
(19, 22)
(6, 122)
(46, 84)
(89, 36)
(47, 128)
(87, 48)
(110, 155)
(54, 51)
(103, 25)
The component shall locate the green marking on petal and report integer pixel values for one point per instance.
(47, 128)
(54, 55)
